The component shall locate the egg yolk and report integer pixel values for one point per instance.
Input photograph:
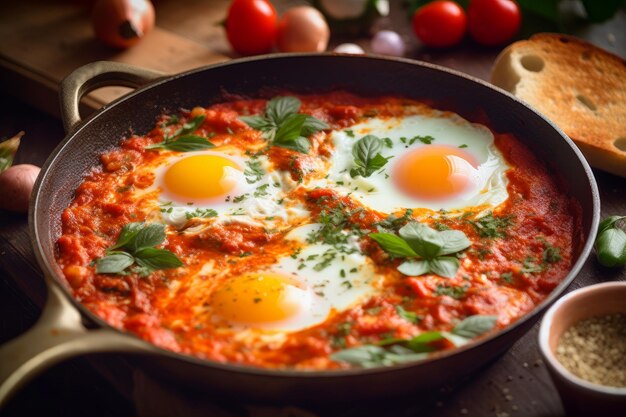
(200, 177)
(259, 298)
(435, 172)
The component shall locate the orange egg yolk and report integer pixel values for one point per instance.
(200, 177)
(258, 298)
(435, 172)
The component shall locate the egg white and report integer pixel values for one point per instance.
(260, 203)
(379, 192)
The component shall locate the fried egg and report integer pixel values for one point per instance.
(218, 184)
(299, 290)
(435, 161)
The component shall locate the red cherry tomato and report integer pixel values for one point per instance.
(440, 23)
(251, 26)
(493, 22)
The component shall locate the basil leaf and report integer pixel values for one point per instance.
(366, 149)
(415, 268)
(393, 244)
(422, 342)
(114, 263)
(369, 356)
(258, 122)
(456, 340)
(279, 108)
(299, 144)
(149, 235)
(474, 326)
(453, 241)
(425, 241)
(154, 258)
(611, 247)
(609, 223)
(445, 266)
(186, 143)
(311, 125)
(409, 316)
(290, 128)
(127, 234)
(191, 126)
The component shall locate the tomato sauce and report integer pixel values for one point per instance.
(520, 251)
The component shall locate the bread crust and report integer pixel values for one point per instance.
(579, 86)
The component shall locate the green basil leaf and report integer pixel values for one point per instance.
(127, 234)
(609, 223)
(453, 241)
(393, 244)
(415, 268)
(474, 326)
(155, 258)
(149, 235)
(425, 241)
(422, 342)
(279, 108)
(311, 125)
(114, 263)
(369, 356)
(258, 122)
(376, 163)
(191, 126)
(409, 316)
(456, 340)
(299, 144)
(290, 129)
(188, 143)
(445, 266)
(365, 149)
(611, 247)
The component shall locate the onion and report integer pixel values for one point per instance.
(122, 23)
(303, 29)
(387, 42)
(16, 185)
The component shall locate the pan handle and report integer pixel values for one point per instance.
(96, 75)
(58, 335)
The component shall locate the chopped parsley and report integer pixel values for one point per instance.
(490, 226)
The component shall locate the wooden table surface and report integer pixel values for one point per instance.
(515, 384)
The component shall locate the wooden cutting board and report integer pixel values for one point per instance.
(41, 42)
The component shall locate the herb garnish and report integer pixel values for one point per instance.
(183, 139)
(492, 227)
(367, 157)
(135, 247)
(396, 351)
(200, 212)
(408, 315)
(283, 126)
(254, 171)
(454, 292)
(427, 248)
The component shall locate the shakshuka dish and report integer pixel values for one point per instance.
(316, 232)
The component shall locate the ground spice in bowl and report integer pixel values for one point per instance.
(594, 349)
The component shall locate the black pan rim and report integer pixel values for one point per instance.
(48, 267)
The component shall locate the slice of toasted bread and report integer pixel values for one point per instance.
(579, 86)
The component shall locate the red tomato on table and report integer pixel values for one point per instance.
(440, 24)
(493, 22)
(251, 26)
